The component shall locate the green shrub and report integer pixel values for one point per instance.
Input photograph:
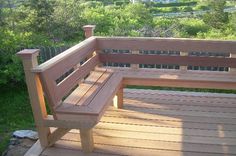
(191, 27)
(187, 9)
(11, 70)
(172, 4)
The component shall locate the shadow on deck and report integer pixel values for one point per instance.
(161, 123)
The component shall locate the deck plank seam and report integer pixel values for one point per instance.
(158, 133)
(179, 100)
(153, 148)
(176, 109)
(162, 126)
(166, 120)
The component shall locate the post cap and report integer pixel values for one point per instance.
(88, 30)
(89, 27)
(27, 53)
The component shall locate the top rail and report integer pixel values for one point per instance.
(174, 44)
(88, 45)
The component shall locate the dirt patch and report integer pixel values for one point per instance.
(18, 147)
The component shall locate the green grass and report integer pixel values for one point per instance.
(15, 112)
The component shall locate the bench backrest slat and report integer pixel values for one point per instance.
(68, 83)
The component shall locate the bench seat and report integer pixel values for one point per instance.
(90, 99)
(177, 78)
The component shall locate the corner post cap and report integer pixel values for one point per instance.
(28, 53)
(89, 30)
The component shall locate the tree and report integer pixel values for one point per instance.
(43, 10)
(216, 17)
(2, 22)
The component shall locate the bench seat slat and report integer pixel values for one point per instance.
(82, 104)
(83, 88)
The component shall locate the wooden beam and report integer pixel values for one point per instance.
(50, 122)
(118, 99)
(177, 44)
(184, 68)
(29, 58)
(160, 59)
(232, 70)
(87, 142)
(56, 135)
(35, 150)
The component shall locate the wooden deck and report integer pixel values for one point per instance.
(160, 123)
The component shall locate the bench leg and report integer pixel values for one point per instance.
(118, 99)
(43, 133)
(86, 137)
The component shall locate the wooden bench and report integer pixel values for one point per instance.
(79, 93)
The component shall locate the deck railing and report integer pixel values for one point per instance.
(180, 54)
(155, 53)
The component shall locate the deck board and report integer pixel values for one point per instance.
(161, 123)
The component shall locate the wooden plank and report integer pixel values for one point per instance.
(179, 83)
(87, 143)
(181, 100)
(73, 149)
(118, 99)
(152, 144)
(166, 130)
(161, 59)
(165, 137)
(69, 58)
(183, 68)
(106, 94)
(166, 117)
(60, 150)
(35, 150)
(29, 58)
(83, 88)
(150, 43)
(174, 124)
(154, 104)
(232, 70)
(176, 74)
(182, 95)
(183, 112)
(93, 91)
(68, 83)
(82, 107)
(179, 93)
(50, 122)
(56, 135)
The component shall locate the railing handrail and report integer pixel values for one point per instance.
(175, 44)
(67, 53)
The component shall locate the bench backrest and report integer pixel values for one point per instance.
(178, 51)
(62, 73)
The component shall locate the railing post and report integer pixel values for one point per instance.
(29, 58)
(134, 66)
(232, 70)
(118, 99)
(183, 68)
(89, 30)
